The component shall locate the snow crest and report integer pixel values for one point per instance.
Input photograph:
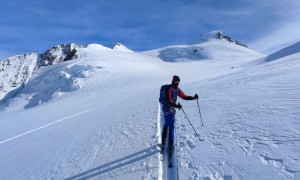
(295, 48)
(121, 47)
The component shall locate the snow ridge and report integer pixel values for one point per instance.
(295, 48)
(121, 47)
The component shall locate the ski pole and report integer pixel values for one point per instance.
(199, 112)
(190, 123)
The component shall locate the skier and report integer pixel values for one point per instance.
(168, 98)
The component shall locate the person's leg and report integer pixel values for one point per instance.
(171, 134)
(164, 136)
(168, 119)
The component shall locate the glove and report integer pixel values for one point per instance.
(196, 96)
(178, 106)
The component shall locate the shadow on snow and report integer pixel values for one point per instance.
(119, 163)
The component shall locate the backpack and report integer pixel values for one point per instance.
(163, 95)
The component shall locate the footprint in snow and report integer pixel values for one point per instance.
(190, 144)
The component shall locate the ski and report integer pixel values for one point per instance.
(162, 154)
(170, 162)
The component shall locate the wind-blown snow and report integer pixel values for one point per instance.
(295, 48)
(97, 117)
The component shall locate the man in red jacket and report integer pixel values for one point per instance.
(168, 100)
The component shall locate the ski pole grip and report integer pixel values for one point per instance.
(180, 105)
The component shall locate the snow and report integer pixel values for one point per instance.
(121, 47)
(98, 47)
(98, 117)
(210, 47)
(295, 48)
(209, 36)
(251, 125)
(14, 73)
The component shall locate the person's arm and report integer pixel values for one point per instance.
(185, 97)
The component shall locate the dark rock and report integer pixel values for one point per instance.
(59, 53)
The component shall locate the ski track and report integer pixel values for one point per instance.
(50, 124)
(161, 169)
(166, 173)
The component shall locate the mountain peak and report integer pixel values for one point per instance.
(210, 35)
(212, 46)
(218, 35)
(121, 47)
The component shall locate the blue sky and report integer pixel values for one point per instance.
(36, 25)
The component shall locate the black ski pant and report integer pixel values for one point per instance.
(164, 137)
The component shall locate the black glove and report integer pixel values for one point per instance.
(179, 106)
(196, 96)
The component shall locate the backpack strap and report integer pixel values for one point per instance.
(166, 93)
(166, 96)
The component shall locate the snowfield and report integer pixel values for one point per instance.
(98, 116)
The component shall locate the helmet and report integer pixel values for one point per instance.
(175, 81)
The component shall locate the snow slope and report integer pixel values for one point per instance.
(97, 117)
(251, 125)
(80, 132)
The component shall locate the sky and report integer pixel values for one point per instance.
(37, 25)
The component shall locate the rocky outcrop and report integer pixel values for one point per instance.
(219, 35)
(59, 53)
